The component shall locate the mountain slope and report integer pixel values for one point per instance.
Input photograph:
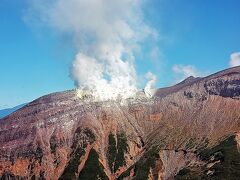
(175, 134)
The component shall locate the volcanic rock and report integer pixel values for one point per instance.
(190, 130)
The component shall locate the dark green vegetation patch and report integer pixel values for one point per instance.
(72, 167)
(39, 154)
(112, 151)
(116, 151)
(93, 169)
(227, 169)
(71, 170)
(122, 148)
(143, 166)
(53, 144)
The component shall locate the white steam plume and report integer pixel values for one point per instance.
(149, 88)
(235, 59)
(106, 33)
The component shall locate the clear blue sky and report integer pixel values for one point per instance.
(201, 33)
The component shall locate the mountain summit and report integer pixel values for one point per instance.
(188, 131)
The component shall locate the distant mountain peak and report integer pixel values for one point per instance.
(189, 80)
(7, 111)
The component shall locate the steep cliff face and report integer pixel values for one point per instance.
(181, 132)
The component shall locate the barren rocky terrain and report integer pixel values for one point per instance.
(187, 131)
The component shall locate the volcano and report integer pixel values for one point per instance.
(188, 131)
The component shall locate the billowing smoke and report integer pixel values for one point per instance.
(149, 88)
(235, 59)
(107, 35)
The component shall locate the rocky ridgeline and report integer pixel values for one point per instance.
(187, 131)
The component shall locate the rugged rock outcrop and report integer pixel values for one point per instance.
(190, 130)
